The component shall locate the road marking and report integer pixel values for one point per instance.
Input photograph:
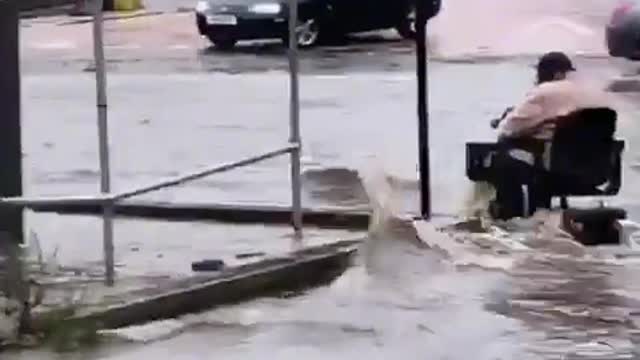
(557, 21)
(124, 47)
(330, 77)
(179, 47)
(54, 45)
(387, 77)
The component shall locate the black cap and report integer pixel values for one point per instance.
(555, 61)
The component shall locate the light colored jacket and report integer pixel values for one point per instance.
(546, 103)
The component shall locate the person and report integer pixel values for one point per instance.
(556, 94)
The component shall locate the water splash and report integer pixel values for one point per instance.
(477, 201)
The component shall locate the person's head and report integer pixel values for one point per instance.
(553, 66)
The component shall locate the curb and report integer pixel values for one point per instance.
(300, 270)
(112, 17)
(239, 214)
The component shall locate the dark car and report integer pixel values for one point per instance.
(623, 30)
(225, 22)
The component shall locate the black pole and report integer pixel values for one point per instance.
(422, 15)
(10, 141)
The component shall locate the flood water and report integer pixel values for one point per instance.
(554, 300)
(399, 299)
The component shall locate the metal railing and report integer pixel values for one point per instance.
(107, 199)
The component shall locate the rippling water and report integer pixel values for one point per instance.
(400, 298)
(552, 299)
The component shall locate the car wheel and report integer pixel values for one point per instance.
(223, 44)
(307, 34)
(407, 27)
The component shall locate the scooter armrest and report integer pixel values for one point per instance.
(480, 155)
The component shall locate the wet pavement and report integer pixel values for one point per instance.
(176, 104)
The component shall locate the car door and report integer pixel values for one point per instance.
(387, 13)
(351, 15)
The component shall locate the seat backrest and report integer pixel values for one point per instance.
(583, 145)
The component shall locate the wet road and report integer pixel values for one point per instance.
(176, 104)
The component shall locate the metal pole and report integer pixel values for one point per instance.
(103, 139)
(294, 115)
(423, 107)
(11, 221)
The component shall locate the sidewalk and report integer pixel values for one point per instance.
(38, 8)
(76, 304)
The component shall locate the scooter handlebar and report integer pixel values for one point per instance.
(496, 122)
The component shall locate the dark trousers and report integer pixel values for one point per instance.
(509, 175)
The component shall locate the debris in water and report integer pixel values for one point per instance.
(208, 265)
(250, 255)
(475, 226)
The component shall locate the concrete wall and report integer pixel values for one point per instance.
(33, 4)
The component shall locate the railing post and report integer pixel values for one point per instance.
(294, 126)
(11, 220)
(422, 15)
(108, 248)
(103, 140)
